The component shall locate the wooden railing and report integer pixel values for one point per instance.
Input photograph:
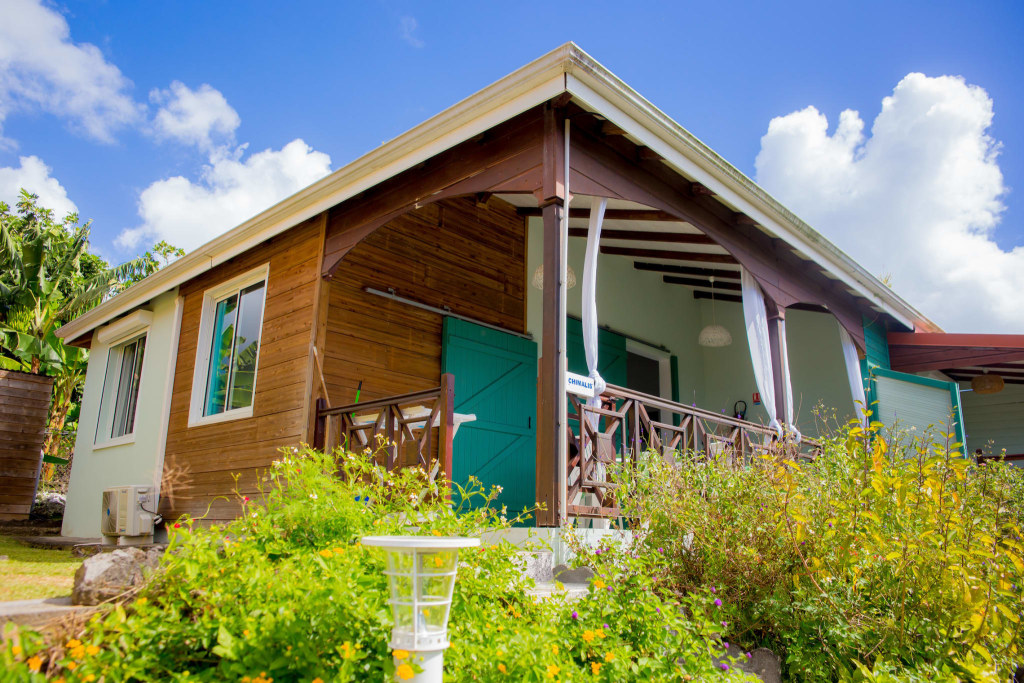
(399, 426)
(623, 431)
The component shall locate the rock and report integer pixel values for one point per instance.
(562, 573)
(762, 662)
(48, 505)
(108, 575)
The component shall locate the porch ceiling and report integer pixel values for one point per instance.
(960, 356)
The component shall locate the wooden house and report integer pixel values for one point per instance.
(433, 280)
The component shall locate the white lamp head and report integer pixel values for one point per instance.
(421, 576)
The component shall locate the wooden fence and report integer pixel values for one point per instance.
(622, 429)
(400, 426)
(24, 406)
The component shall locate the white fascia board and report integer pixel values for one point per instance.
(528, 87)
(604, 94)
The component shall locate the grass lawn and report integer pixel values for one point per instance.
(30, 573)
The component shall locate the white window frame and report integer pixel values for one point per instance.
(204, 347)
(115, 339)
(664, 359)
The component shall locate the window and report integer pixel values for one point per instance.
(228, 352)
(120, 390)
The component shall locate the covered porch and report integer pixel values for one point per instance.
(463, 266)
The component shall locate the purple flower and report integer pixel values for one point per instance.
(575, 616)
(713, 590)
(749, 656)
(661, 550)
(658, 610)
(605, 626)
(609, 589)
(725, 645)
(725, 667)
(718, 603)
(725, 624)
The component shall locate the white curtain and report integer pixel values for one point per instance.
(755, 318)
(853, 371)
(589, 294)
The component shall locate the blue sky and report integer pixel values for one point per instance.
(343, 77)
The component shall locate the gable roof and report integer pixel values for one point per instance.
(565, 69)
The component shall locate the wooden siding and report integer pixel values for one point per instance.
(453, 253)
(994, 421)
(24, 406)
(210, 456)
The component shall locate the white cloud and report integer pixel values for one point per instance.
(195, 117)
(230, 190)
(919, 198)
(42, 69)
(407, 26)
(34, 176)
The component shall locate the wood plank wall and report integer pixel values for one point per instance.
(24, 406)
(205, 459)
(453, 253)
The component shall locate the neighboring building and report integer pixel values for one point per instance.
(440, 254)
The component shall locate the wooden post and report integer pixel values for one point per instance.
(551, 401)
(777, 328)
(446, 436)
(320, 424)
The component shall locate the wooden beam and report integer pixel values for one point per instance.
(647, 154)
(692, 282)
(958, 378)
(699, 257)
(731, 298)
(609, 128)
(777, 347)
(699, 189)
(687, 270)
(647, 236)
(1005, 374)
(608, 163)
(743, 219)
(610, 214)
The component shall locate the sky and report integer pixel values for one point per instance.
(894, 128)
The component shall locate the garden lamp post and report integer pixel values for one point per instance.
(421, 575)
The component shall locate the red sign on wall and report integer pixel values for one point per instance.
(757, 398)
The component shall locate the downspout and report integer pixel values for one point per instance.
(563, 402)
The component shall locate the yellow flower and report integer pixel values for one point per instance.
(317, 680)
(599, 633)
(34, 663)
(552, 670)
(588, 636)
(595, 668)
(339, 551)
(405, 672)
(16, 650)
(500, 628)
(245, 633)
(78, 652)
(90, 678)
(400, 654)
(598, 584)
(73, 643)
(71, 666)
(426, 612)
(346, 650)
(92, 650)
(609, 657)
(554, 649)
(502, 669)
(436, 532)
(141, 601)
(326, 552)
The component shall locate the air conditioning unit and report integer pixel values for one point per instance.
(128, 515)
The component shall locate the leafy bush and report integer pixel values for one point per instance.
(872, 563)
(287, 593)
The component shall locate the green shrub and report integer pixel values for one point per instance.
(872, 563)
(287, 593)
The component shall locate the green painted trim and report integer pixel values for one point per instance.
(954, 394)
(876, 342)
(913, 379)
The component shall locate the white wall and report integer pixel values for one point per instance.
(141, 461)
(633, 302)
(640, 304)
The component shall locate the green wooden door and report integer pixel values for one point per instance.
(495, 379)
(611, 353)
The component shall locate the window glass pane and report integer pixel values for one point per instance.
(220, 355)
(247, 346)
(133, 394)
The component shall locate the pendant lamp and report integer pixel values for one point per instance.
(714, 335)
(538, 278)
